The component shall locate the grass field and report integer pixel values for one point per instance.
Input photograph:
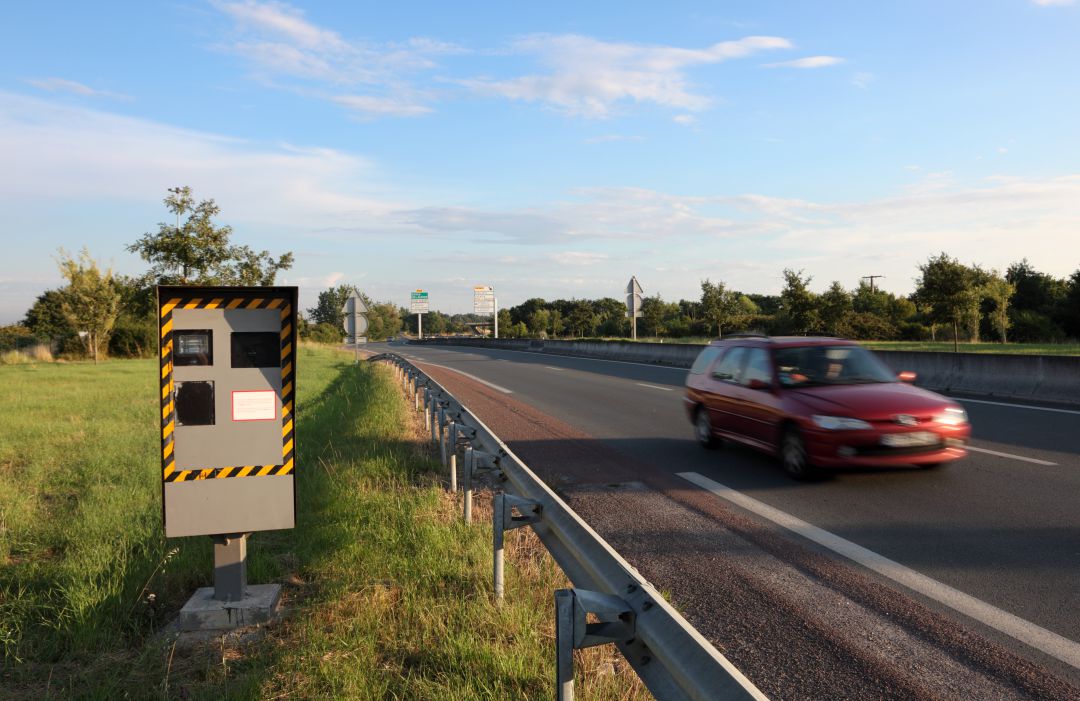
(1002, 348)
(389, 593)
(925, 346)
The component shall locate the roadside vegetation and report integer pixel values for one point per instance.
(99, 314)
(389, 593)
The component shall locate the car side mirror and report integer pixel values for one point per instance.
(906, 376)
(758, 384)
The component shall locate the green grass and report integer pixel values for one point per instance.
(926, 346)
(1001, 348)
(389, 593)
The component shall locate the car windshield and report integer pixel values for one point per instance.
(829, 365)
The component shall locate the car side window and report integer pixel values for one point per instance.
(705, 359)
(727, 370)
(758, 367)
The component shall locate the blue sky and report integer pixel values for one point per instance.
(551, 149)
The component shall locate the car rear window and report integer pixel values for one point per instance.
(705, 359)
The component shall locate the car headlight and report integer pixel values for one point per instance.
(839, 423)
(952, 416)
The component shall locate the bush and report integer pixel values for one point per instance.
(133, 337)
(913, 331)
(1032, 327)
(867, 326)
(325, 333)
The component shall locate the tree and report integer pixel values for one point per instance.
(951, 291)
(45, 317)
(581, 319)
(835, 305)
(797, 303)
(328, 306)
(383, 319)
(999, 291)
(90, 302)
(505, 322)
(195, 251)
(538, 322)
(719, 305)
(1035, 291)
(652, 314)
(1071, 314)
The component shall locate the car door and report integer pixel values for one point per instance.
(721, 387)
(758, 410)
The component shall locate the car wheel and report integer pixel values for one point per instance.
(703, 429)
(793, 456)
(931, 465)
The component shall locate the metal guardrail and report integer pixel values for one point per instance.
(673, 660)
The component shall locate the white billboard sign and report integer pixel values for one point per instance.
(483, 299)
(418, 302)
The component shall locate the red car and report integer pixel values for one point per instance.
(819, 402)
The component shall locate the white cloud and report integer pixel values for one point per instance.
(808, 62)
(390, 106)
(863, 79)
(607, 138)
(280, 43)
(62, 151)
(284, 21)
(1051, 3)
(70, 86)
(588, 77)
(579, 258)
(684, 119)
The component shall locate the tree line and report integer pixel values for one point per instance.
(951, 302)
(100, 313)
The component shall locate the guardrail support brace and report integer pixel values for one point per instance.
(572, 632)
(502, 520)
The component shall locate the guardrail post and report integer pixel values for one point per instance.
(451, 439)
(427, 408)
(470, 462)
(616, 621)
(444, 433)
(564, 644)
(502, 520)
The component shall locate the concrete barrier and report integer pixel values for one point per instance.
(680, 355)
(1049, 378)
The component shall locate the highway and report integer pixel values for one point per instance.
(977, 562)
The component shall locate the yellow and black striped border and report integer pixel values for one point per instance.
(255, 298)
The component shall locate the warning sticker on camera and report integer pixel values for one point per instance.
(254, 405)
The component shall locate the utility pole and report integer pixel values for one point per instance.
(871, 278)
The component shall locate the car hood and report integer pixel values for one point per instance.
(870, 401)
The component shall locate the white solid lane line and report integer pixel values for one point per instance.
(1016, 406)
(1026, 632)
(1011, 456)
(664, 389)
(552, 367)
(492, 385)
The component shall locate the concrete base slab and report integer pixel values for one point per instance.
(203, 612)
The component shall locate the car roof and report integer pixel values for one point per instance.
(781, 341)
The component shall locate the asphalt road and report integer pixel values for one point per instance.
(1002, 526)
